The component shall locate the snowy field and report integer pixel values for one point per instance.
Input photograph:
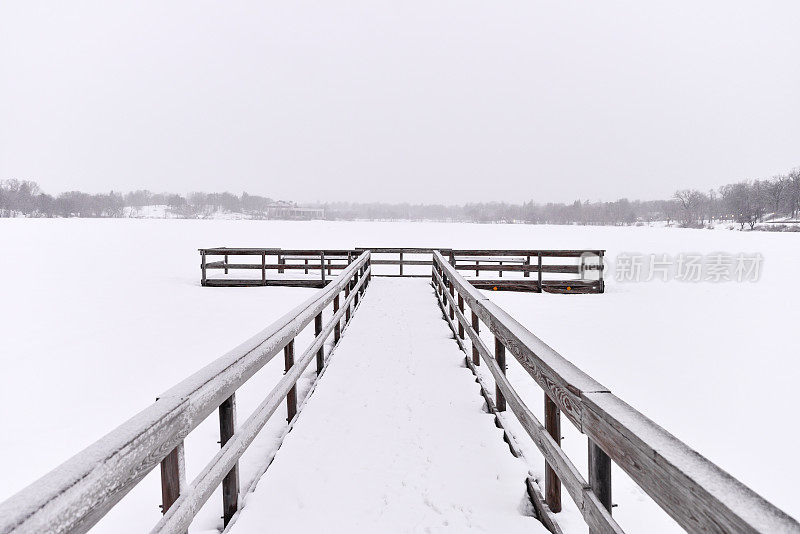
(100, 316)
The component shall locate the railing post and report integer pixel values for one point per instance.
(322, 266)
(552, 485)
(329, 266)
(600, 475)
(173, 477)
(337, 330)
(452, 294)
(500, 271)
(321, 351)
(226, 264)
(264, 268)
(476, 358)
(291, 397)
(540, 271)
(527, 262)
(477, 272)
(500, 356)
(461, 307)
(347, 311)
(202, 267)
(280, 262)
(306, 264)
(602, 282)
(401, 264)
(230, 484)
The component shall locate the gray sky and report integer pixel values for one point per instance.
(443, 101)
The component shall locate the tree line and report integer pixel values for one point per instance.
(745, 203)
(25, 198)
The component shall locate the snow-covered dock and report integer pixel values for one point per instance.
(395, 437)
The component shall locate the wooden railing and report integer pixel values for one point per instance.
(280, 260)
(74, 496)
(531, 266)
(696, 493)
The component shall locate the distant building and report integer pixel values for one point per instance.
(288, 210)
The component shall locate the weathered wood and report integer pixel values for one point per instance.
(594, 514)
(404, 262)
(281, 267)
(401, 264)
(226, 264)
(500, 356)
(321, 351)
(528, 262)
(337, 330)
(539, 271)
(552, 485)
(502, 267)
(476, 359)
(699, 495)
(316, 284)
(322, 266)
(281, 261)
(461, 307)
(305, 262)
(452, 306)
(181, 514)
(291, 397)
(173, 477)
(543, 512)
(600, 475)
(77, 494)
(202, 268)
(230, 484)
(347, 294)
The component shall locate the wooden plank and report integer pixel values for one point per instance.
(524, 252)
(273, 266)
(543, 512)
(500, 357)
(318, 332)
(79, 492)
(173, 477)
(697, 494)
(599, 476)
(266, 283)
(230, 484)
(501, 268)
(552, 485)
(291, 397)
(405, 262)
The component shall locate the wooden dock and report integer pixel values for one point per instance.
(696, 493)
(536, 271)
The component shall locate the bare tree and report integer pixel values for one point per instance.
(775, 190)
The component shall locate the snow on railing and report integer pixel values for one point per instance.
(77, 494)
(696, 493)
(526, 264)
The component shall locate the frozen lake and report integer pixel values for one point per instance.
(100, 316)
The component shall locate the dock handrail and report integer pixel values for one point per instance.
(77, 494)
(696, 493)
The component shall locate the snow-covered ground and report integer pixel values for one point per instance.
(99, 316)
(394, 438)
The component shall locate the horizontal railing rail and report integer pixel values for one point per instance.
(77, 494)
(696, 493)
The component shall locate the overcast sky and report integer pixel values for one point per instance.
(426, 101)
